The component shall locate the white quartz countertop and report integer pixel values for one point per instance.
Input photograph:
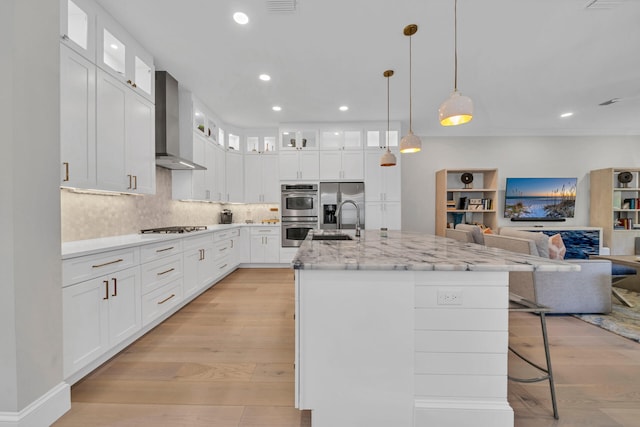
(90, 246)
(414, 251)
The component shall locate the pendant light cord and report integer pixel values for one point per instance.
(455, 45)
(410, 91)
(388, 114)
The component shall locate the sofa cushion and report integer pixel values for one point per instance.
(557, 250)
(476, 232)
(541, 240)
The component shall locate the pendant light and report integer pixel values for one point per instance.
(457, 109)
(410, 143)
(388, 158)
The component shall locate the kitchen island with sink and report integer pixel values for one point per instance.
(409, 329)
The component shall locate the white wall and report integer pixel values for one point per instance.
(31, 301)
(513, 157)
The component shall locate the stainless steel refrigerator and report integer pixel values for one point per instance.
(334, 193)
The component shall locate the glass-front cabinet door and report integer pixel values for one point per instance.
(380, 138)
(78, 26)
(259, 142)
(294, 139)
(340, 139)
(122, 57)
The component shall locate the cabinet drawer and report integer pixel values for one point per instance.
(156, 273)
(83, 268)
(222, 249)
(265, 231)
(197, 242)
(227, 234)
(160, 250)
(160, 301)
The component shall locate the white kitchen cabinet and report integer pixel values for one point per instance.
(199, 263)
(161, 272)
(377, 137)
(261, 181)
(299, 165)
(122, 57)
(382, 184)
(265, 245)
(234, 177)
(298, 139)
(383, 214)
(78, 26)
(340, 139)
(125, 140)
(99, 314)
(77, 120)
(258, 142)
(341, 164)
(227, 250)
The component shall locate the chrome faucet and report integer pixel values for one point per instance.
(357, 215)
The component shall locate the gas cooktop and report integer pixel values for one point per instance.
(175, 229)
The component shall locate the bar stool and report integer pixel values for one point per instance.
(518, 303)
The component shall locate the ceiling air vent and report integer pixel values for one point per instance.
(603, 4)
(281, 6)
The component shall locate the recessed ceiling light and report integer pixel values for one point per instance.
(241, 18)
(563, 115)
(276, 108)
(265, 77)
(113, 46)
(344, 108)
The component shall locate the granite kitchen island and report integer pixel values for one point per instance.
(405, 330)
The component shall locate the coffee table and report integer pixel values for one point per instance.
(632, 261)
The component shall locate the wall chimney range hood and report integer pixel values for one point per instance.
(167, 126)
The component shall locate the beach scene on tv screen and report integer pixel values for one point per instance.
(549, 198)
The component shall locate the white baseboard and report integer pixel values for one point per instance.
(42, 412)
(461, 412)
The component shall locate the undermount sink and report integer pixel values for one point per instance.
(331, 237)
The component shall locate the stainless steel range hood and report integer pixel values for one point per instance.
(167, 125)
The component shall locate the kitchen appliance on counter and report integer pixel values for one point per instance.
(175, 229)
(226, 217)
(299, 212)
(332, 194)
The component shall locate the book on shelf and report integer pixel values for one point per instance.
(625, 224)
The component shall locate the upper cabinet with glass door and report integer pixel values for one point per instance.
(78, 26)
(260, 141)
(298, 139)
(376, 137)
(340, 139)
(121, 56)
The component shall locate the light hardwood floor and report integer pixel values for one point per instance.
(226, 360)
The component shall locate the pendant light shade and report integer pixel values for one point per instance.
(410, 143)
(457, 109)
(388, 158)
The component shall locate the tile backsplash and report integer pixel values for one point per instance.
(89, 216)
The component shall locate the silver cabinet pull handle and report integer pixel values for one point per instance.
(165, 249)
(115, 287)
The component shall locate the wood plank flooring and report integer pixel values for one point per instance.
(226, 360)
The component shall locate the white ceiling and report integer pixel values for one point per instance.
(523, 62)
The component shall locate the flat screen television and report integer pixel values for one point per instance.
(542, 199)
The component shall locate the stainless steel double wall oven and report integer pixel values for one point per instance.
(299, 212)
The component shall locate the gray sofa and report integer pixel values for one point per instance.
(584, 291)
